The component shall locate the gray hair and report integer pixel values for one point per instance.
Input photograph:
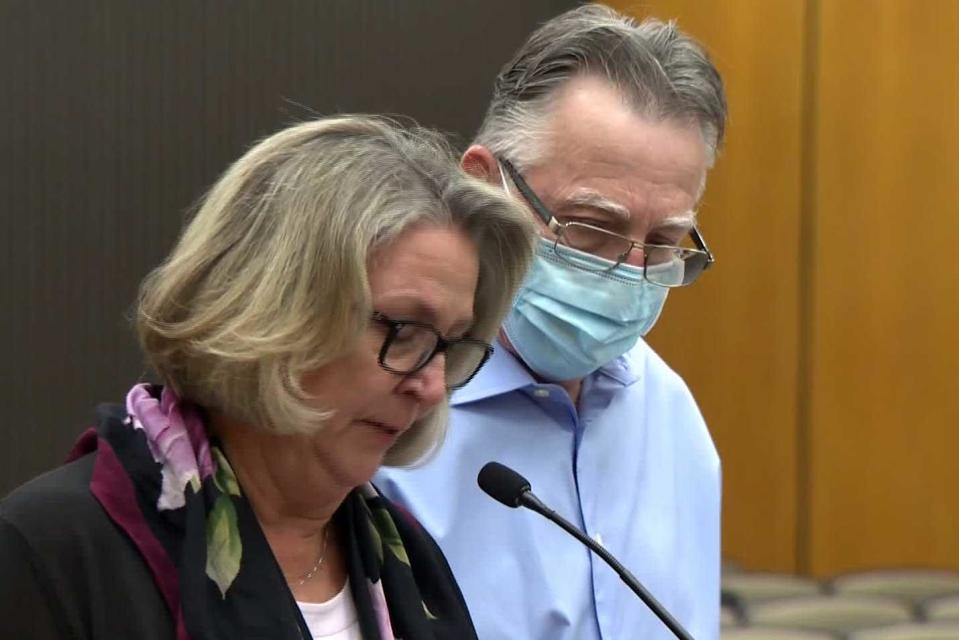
(269, 281)
(661, 71)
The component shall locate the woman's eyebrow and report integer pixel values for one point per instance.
(419, 310)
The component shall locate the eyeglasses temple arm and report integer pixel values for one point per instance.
(538, 206)
(700, 243)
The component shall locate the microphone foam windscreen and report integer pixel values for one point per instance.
(502, 483)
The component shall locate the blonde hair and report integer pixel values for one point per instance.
(269, 279)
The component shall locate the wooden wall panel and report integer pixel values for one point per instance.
(734, 336)
(885, 332)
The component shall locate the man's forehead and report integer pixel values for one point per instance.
(591, 126)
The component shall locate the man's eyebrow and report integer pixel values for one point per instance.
(683, 220)
(594, 200)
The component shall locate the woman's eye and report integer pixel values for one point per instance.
(405, 332)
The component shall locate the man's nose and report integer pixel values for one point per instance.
(636, 257)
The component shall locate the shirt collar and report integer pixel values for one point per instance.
(504, 373)
(501, 374)
(627, 369)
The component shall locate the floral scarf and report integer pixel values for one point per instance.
(172, 491)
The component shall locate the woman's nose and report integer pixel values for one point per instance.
(429, 383)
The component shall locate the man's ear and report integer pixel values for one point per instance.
(479, 162)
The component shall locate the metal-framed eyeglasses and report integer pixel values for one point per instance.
(409, 346)
(663, 265)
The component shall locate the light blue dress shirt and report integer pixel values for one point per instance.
(635, 468)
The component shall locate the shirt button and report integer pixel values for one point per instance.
(541, 393)
(598, 539)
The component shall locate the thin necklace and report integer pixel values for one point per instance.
(319, 561)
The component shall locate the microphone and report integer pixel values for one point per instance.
(510, 488)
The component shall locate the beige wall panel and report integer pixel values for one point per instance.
(734, 335)
(885, 323)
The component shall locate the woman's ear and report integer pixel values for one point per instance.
(479, 162)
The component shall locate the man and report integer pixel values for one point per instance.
(606, 128)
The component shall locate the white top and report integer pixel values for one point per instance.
(334, 619)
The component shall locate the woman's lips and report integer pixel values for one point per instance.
(387, 429)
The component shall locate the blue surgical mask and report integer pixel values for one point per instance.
(569, 319)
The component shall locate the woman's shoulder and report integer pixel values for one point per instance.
(61, 554)
(58, 529)
(61, 495)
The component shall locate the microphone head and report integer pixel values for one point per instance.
(503, 484)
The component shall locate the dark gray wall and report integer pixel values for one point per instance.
(116, 115)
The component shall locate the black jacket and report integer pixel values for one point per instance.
(66, 571)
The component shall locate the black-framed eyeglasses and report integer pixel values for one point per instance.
(409, 346)
(663, 265)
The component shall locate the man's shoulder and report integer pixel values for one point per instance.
(667, 397)
(653, 371)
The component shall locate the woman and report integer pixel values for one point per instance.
(336, 282)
